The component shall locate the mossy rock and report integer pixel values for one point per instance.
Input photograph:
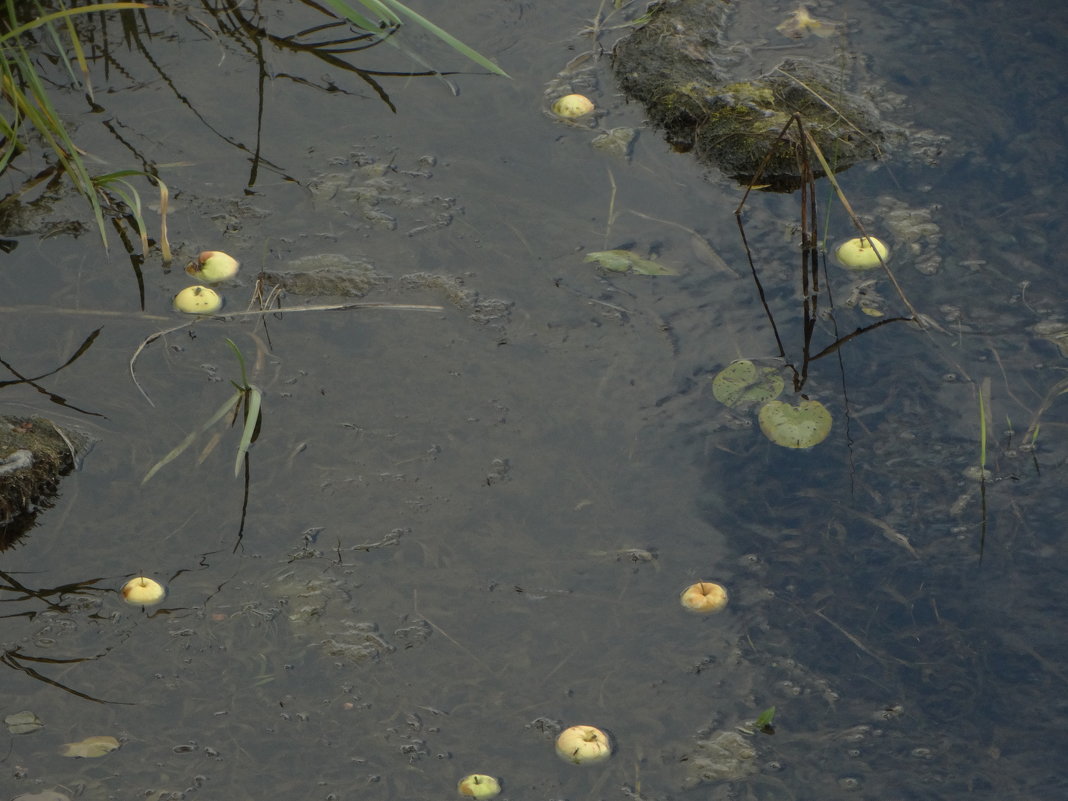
(34, 455)
(681, 68)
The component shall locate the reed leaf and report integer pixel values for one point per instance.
(132, 199)
(222, 411)
(55, 16)
(253, 400)
(388, 15)
(24, 91)
(448, 38)
(244, 385)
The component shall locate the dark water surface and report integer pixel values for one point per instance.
(464, 528)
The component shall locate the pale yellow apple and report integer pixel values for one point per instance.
(213, 266)
(704, 597)
(479, 785)
(583, 745)
(143, 591)
(862, 253)
(572, 106)
(198, 300)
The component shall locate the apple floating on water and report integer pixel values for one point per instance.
(479, 786)
(143, 591)
(583, 745)
(573, 106)
(704, 597)
(212, 266)
(198, 300)
(862, 253)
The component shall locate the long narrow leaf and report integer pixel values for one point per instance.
(9, 130)
(185, 443)
(387, 12)
(447, 37)
(345, 11)
(132, 199)
(14, 33)
(241, 361)
(252, 419)
(982, 430)
(164, 203)
(79, 54)
(41, 114)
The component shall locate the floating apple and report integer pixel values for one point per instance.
(479, 786)
(704, 597)
(143, 591)
(583, 745)
(198, 300)
(212, 266)
(862, 253)
(573, 106)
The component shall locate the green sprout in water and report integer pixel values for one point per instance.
(764, 722)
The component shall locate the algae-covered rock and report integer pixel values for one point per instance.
(730, 112)
(34, 454)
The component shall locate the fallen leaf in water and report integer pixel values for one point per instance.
(801, 426)
(742, 384)
(623, 261)
(23, 722)
(90, 747)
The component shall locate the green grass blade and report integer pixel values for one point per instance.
(132, 199)
(380, 8)
(164, 203)
(39, 112)
(446, 37)
(982, 431)
(241, 361)
(9, 129)
(16, 32)
(345, 11)
(253, 402)
(79, 55)
(185, 443)
(388, 13)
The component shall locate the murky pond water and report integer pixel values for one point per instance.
(464, 527)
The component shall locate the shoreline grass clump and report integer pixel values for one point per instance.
(29, 118)
(28, 115)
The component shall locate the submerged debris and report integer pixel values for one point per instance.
(800, 23)
(723, 756)
(326, 275)
(373, 193)
(915, 232)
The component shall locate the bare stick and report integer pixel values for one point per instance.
(144, 344)
(920, 321)
(259, 313)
